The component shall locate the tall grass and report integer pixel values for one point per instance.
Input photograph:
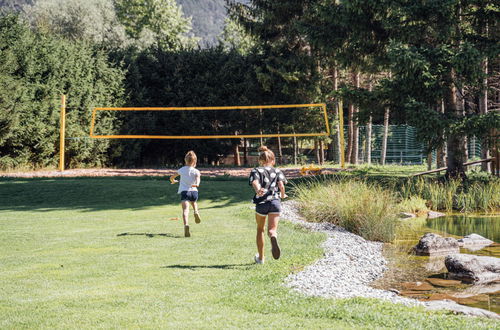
(454, 195)
(361, 208)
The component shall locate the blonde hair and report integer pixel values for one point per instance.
(266, 156)
(190, 158)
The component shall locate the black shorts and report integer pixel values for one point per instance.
(271, 207)
(189, 196)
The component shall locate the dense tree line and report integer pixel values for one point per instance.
(35, 69)
(430, 61)
(430, 64)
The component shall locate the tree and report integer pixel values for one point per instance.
(155, 21)
(433, 52)
(36, 69)
(91, 20)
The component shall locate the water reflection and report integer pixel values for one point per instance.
(461, 225)
(406, 267)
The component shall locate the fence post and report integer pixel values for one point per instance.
(62, 130)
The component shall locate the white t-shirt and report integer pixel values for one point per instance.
(188, 178)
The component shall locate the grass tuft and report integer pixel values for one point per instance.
(361, 208)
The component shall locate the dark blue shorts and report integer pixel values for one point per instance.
(271, 207)
(190, 196)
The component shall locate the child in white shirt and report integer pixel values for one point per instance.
(188, 189)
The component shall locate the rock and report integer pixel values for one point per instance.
(433, 244)
(394, 290)
(453, 306)
(435, 264)
(491, 288)
(439, 296)
(440, 282)
(474, 242)
(434, 215)
(407, 215)
(473, 269)
(417, 286)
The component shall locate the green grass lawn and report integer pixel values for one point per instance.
(102, 253)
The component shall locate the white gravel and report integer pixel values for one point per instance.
(349, 265)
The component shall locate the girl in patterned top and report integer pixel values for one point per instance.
(269, 185)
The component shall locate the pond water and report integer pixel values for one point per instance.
(406, 268)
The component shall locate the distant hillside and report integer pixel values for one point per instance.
(207, 17)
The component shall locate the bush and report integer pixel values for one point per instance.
(415, 205)
(361, 208)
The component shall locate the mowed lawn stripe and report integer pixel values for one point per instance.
(102, 252)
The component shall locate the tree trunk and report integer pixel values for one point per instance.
(350, 133)
(294, 149)
(236, 152)
(355, 139)
(455, 142)
(321, 152)
(316, 151)
(280, 151)
(483, 109)
(429, 161)
(441, 150)
(245, 152)
(386, 135)
(368, 144)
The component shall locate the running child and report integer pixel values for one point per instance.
(269, 185)
(188, 189)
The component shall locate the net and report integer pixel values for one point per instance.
(211, 122)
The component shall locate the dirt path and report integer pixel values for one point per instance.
(211, 172)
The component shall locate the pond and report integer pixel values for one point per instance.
(406, 268)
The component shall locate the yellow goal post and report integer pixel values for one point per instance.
(321, 106)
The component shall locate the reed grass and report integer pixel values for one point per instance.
(362, 208)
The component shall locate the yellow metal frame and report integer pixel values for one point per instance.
(62, 132)
(322, 105)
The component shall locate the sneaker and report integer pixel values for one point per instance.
(275, 249)
(186, 231)
(197, 218)
(258, 260)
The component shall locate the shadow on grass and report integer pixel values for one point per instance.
(194, 267)
(109, 193)
(151, 235)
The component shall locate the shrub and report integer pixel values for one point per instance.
(361, 208)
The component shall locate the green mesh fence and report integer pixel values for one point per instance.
(402, 145)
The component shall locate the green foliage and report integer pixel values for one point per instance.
(415, 205)
(155, 21)
(233, 36)
(91, 20)
(39, 68)
(454, 195)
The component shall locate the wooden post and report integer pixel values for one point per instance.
(62, 130)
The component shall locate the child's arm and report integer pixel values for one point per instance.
(258, 189)
(281, 186)
(173, 179)
(197, 182)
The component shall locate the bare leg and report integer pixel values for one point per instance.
(197, 217)
(261, 224)
(195, 206)
(272, 225)
(272, 231)
(185, 212)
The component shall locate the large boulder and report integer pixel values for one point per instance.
(433, 244)
(473, 269)
(474, 242)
